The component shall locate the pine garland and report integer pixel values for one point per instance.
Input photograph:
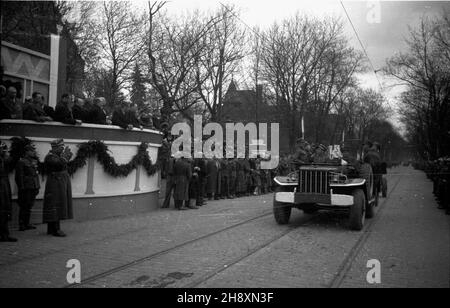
(99, 149)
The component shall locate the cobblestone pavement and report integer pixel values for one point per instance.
(236, 243)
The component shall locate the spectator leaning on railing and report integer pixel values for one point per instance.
(98, 114)
(121, 116)
(63, 112)
(10, 107)
(34, 110)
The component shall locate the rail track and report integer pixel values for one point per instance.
(336, 281)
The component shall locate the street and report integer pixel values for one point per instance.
(237, 243)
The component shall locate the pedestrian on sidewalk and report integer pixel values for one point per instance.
(28, 185)
(58, 189)
(5, 194)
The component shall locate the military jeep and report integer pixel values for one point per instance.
(327, 186)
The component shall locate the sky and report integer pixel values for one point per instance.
(381, 26)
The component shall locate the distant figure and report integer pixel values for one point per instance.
(133, 116)
(97, 114)
(182, 175)
(28, 185)
(58, 190)
(78, 110)
(373, 158)
(63, 112)
(121, 116)
(47, 109)
(34, 111)
(5, 194)
(170, 181)
(10, 107)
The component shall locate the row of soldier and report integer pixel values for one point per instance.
(439, 172)
(191, 181)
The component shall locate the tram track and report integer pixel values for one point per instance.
(337, 280)
(149, 257)
(343, 269)
(354, 251)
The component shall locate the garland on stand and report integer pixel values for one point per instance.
(99, 149)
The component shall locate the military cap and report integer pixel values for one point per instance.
(57, 143)
(322, 147)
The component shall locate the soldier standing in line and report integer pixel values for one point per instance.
(218, 193)
(5, 194)
(233, 175)
(193, 186)
(225, 180)
(248, 190)
(182, 175)
(170, 183)
(212, 173)
(28, 185)
(240, 177)
(200, 163)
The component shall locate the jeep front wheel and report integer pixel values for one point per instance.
(357, 211)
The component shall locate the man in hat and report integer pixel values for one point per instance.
(200, 164)
(320, 154)
(58, 190)
(63, 112)
(372, 157)
(120, 116)
(212, 170)
(5, 194)
(28, 185)
(232, 166)
(10, 107)
(302, 151)
(34, 111)
(96, 113)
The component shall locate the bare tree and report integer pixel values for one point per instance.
(225, 50)
(291, 55)
(175, 47)
(121, 42)
(424, 69)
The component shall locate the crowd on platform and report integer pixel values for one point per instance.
(73, 111)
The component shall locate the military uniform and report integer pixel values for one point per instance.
(200, 163)
(170, 184)
(28, 185)
(232, 166)
(58, 190)
(5, 200)
(212, 170)
(182, 174)
(225, 178)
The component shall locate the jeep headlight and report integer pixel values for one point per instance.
(337, 177)
(293, 176)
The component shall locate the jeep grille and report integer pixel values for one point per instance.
(314, 181)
